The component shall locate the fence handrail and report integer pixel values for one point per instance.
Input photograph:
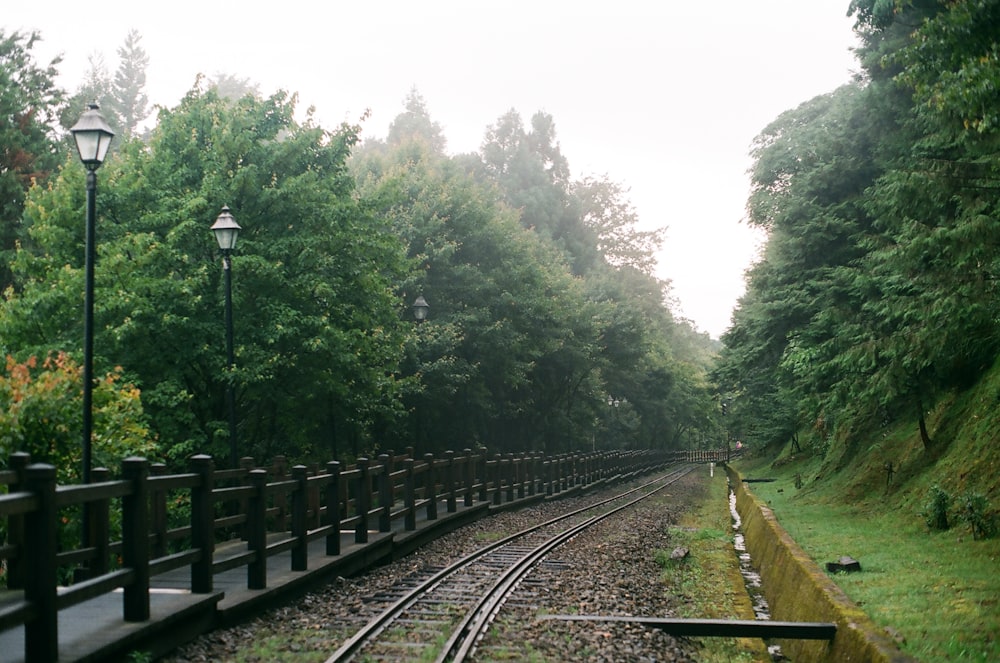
(243, 516)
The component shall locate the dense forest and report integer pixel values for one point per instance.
(874, 297)
(546, 330)
(877, 292)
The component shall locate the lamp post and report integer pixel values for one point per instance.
(226, 231)
(93, 138)
(420, 308)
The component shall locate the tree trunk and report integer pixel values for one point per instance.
(922, 422)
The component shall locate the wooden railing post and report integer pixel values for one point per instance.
(41, 633)
(363, 501)
(385, 499)
(202, 523)
(410, 496)
(314, 516)
(430, 488)
(333, 508)
(484, 477)
(470, 478)
(521, 463)
(511, 476)
(497, 479)
(257, 530)
(449, 481)
(300, 523)
(135, 539)
(15, 524)
(531, 469)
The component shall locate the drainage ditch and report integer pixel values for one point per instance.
(751, 579)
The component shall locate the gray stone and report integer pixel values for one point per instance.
(845, 564)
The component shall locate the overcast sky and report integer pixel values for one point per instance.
(662, 96)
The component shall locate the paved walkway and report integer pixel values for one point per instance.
(95, 631)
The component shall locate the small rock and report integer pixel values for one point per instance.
(846, 564)
(680, 553)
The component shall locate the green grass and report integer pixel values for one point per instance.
(936, 591)
(488, 537)
(709, 580)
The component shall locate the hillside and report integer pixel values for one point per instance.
(935, 591)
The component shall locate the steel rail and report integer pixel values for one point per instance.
(371, 630)
(462, 643)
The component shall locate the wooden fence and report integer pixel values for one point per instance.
(169, 521)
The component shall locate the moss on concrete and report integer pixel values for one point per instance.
(798, 590)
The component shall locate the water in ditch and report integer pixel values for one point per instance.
(751, 579)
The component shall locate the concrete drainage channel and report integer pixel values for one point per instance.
(751, 579)
(794, 588)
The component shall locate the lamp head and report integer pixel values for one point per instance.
(420, 308)
(226, 230)
(93, 137)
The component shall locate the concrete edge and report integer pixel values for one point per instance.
(797, 589)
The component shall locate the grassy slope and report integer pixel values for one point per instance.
(937, 592)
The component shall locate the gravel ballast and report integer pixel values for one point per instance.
(609, 570)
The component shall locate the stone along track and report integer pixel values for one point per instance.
(442, 613)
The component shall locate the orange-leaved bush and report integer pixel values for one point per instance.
(41, 413)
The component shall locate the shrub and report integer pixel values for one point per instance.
(40, 406)
(974, 510)
(935, 512)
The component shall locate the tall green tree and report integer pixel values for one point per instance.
(131, 103)
(415, 124)
(499, 352)
(611, 217)
(122, 97)
(812, 167)
(534, 177)
(316, 330)
(936, 252)
(876, 292)
(29, 149)
(519, 352)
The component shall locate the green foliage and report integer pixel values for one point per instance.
(544, 307)
(131, 101)
(40, 413)
(520, 350)
(974, 511)
(121, 96)
(935, 512)
(316, 330)
(876, 293)
(28, 102)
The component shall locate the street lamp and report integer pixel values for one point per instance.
(420, 308)
(93, 138)
(226, 231)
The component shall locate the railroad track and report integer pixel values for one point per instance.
(441, 615)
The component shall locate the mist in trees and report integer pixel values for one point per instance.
(536, 328)
(545, 312)
(877, 291)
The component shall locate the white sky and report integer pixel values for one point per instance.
(662, 96)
